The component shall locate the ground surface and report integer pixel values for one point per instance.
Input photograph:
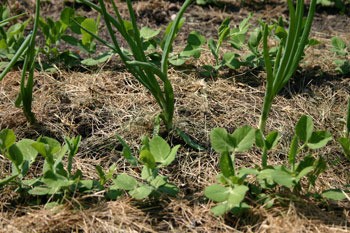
(99, 103)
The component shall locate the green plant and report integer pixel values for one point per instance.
(56, 179)
(136, 61)
(235, 37)
(20, 153)
(345, 140)
(155, 154)
(290, 51)
(232, 188)
(340, 48)
(11, 38)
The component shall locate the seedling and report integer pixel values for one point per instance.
(342, 50)
(232, 189)
(290, 51)
(154, 154)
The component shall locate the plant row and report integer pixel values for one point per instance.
(147, 58)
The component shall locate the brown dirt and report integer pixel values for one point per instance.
(98, 104)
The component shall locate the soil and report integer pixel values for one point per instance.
(98, 103)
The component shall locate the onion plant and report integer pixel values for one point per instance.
(289, 54)
(154, 78)
(27, 77)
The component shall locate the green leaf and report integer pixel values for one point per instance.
(272, 140)
(125, 182)
(345, 144)
(217, 193)
(283, 178)
(158, 181)
(148, 33)
(97, 60)
(339, 46)
(7, 138)
(220, 140)
(195, 39)
(91, 26)
(319, 139)
(141, 192)
(212, 46)
(334, 194)
(304, 172)
(244, 138)
(169, 189)
(237, 195)
(259, 139)
(171, 156)
(147, 158)
(231, 61)
(15, 155)
(29, 153)
(127, 151)
(220, 209)
(41, 191)
(304, 128)
(159, 148)
(67, 15)
(226, 165)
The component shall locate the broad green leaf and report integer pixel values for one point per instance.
(141, 192)
(319, 139)
(159, 148)
(220, 141)
(15, 155)
(91, 26)
(195, 39)
(147, 173)
(244, 138)
(220, 209)
(231, 60)
(259, 139)
(334, 194)
(283, 178)
(28, 152)
(158, 181)
(177, 61)
(41, 191)
(88, 184)
(7, 138)
(237, 195)
(247, 171)
(97, 60)
(171, 156)
(304, 172)
(217, 193)
(190, 51)
(67, 15)
(226, 165)
(169, 189)
(147, 158)
(272, 140)
(304, 128)
(125, 182)
(148, 33)
(266, 177)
